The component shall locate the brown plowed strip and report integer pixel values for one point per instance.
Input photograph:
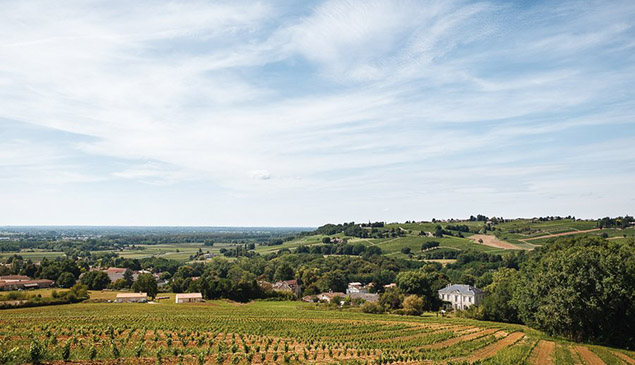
(575, 356)
(451, 341)
(560, 234)
(491, 350)
(588, 357)
(624, 357)
(543, 353)
(492, 241)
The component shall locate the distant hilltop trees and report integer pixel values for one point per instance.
(619, 222)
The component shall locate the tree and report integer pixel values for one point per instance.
(384, 277)
(326, 240)
(581, 288)
(391, 299)
(413, 305)
(77, 293)
(65, 280)
(95, 280)
(284, 272)
(334, 280)
(425, 282)
(127, 276)
(372, 307)
(497, 305)
(146, 283)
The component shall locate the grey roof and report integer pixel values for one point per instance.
(366, 296)
(460, 289)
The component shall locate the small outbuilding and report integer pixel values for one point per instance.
(131, 298)
(189, 298)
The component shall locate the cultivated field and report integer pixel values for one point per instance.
(273, 332)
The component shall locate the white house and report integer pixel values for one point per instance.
(460, 296)
(189, 298)
(357, 287)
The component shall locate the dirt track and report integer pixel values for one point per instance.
(492, 241)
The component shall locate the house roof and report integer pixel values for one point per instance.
(113, 270)
(132, 295)
(29, 283)
(366, 296)
(460, 289)
(333, 295)
(189, 296)
(15, 277)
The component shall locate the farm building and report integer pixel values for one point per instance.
(460, 296)
(131, 298)
(288, 286)
(189, 298)
(14, 278)
(15, 282)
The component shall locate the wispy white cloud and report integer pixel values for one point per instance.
(347, 100)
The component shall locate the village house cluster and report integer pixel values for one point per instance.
(355, 292)
(454, 296)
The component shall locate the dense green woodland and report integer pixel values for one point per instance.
(579, 288)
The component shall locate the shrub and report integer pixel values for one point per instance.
(372, 307)
(413, 305)
(92, 353)
(66, 351)
(36, 352)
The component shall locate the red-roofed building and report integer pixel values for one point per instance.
(115, 273)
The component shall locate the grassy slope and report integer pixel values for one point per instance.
(539, 228)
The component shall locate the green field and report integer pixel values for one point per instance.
(527, 228)
(392, 246)
(175, 251)
(266, 332)
(34, 255)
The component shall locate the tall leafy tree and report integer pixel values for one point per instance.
(146, 283)
(582, 289)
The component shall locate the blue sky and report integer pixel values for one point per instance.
(287, 113)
